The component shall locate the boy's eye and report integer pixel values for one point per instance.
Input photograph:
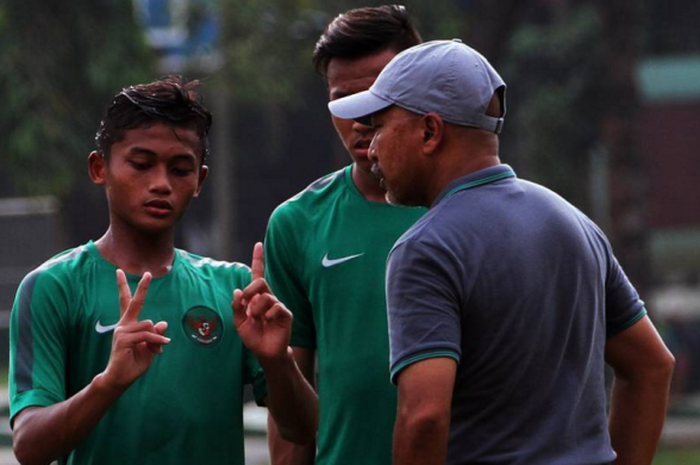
(182, 171)
(139, 165)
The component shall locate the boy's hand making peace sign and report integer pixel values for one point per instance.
(135, 342)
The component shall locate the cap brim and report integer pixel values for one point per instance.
(360, 106)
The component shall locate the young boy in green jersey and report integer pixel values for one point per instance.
(327, 250)
(98, 376)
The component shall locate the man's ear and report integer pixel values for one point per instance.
(97, 166)
(433, 132)
(203, 172)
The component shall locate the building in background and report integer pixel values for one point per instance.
(183, 32)
(669, 138)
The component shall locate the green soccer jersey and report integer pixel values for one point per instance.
(326, 252)
(187, 408)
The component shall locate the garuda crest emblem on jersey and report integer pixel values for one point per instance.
(203, 326)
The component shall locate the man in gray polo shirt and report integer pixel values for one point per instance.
(505, 301)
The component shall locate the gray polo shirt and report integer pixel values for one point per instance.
(522, 290)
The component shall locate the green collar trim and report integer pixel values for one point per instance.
(479, 182)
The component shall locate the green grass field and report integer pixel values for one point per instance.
(685, 456)
(663, 457)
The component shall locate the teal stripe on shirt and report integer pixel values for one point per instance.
(610, 332)
(422, 356)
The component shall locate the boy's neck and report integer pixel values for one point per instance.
(368, 185)
(138, 253)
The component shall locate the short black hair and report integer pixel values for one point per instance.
(171, 100)
(362, 32)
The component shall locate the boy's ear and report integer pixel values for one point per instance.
(203, 172)
(96, 168)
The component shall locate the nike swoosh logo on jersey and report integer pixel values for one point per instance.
(328, 262)
(104, 329)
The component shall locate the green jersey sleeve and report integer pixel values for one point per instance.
(283, 261)
(254, 376)
(39, 332)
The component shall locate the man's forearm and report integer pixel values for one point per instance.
(291, 400)
(423, 414)
(43, 434)
(637, 416)
(643, 369)
(420, 441)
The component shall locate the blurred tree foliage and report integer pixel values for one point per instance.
(554, 69)
(61, 60)
(60, 63)
(267, 44)
(671, 27)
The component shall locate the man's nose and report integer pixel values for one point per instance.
(372, 152)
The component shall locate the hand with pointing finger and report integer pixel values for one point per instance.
(265, 327)
(135, 342)
(263, 322)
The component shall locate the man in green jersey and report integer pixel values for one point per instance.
(99, 377)
(327, 249)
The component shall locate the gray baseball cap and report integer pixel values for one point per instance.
(442, 76)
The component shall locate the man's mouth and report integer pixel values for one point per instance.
(377, 172)
(158, 207)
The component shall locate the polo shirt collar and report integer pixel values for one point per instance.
(475, 179)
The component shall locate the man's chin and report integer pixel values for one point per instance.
(364, 171)
(391, 199)
(398, 201)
